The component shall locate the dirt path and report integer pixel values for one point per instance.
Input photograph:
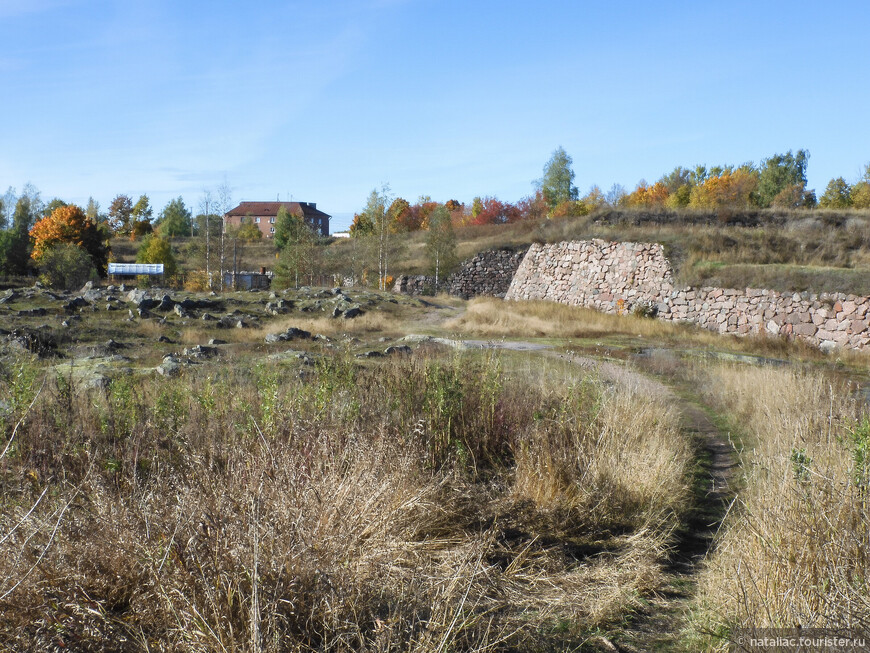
(658, 627)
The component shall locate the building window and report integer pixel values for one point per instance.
(256, 220)
(272, 220)
(272, 230)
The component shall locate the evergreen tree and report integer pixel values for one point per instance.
(837, 195)
(175, 219)
(15, 244)
(287, 226)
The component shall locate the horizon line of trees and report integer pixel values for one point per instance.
(777, 182)
(69, 244)
(31, 229)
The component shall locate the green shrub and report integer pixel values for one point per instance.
(67, 266)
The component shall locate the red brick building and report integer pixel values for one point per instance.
(264, 214)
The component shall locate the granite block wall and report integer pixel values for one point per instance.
(622, 277)
(487, 273)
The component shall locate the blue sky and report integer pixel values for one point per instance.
(326, 100)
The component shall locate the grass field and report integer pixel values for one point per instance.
(317, 494)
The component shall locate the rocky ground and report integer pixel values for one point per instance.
(98, 333)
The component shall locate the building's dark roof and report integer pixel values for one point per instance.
(269, 209)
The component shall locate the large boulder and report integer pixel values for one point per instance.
(290, 334)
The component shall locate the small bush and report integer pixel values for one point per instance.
(66, 266)
(645, 309)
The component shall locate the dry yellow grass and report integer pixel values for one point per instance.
(794, 550)
(368, 323)
(384, 508)
(490, 317)
(493, 317)
(631, 453)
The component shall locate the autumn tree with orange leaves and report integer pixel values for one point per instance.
(729, 189)
(69, 224)
(648, 196)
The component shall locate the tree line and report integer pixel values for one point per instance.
(54, 235)
(778, 182)
(69, 244)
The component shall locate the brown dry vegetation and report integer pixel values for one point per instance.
(487, 316)
(429, 503)
(794, 549)
(490, 317)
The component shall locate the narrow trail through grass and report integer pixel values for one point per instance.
(660, 626)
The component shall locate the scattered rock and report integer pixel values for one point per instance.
(170, 366)
(217, 341)
(40, 343)
(352, 313)
(371, 354)
(398, 349)
(164, 339)
(828, 346)
(278, 307)
(33, 312)
(200, 351)
(290, 334)
(136, 295)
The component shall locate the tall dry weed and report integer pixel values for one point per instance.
(794, 551)
(349, 508)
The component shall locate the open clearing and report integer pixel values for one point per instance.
(321, 470)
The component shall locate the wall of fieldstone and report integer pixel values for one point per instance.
(624, 277)
(487, 273)
(420, 284)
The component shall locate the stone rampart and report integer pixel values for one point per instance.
(415, 285)
(623, 277)
(487, 273)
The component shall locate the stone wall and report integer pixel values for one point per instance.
(487, 273)
(622, 277)
(415, 285)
